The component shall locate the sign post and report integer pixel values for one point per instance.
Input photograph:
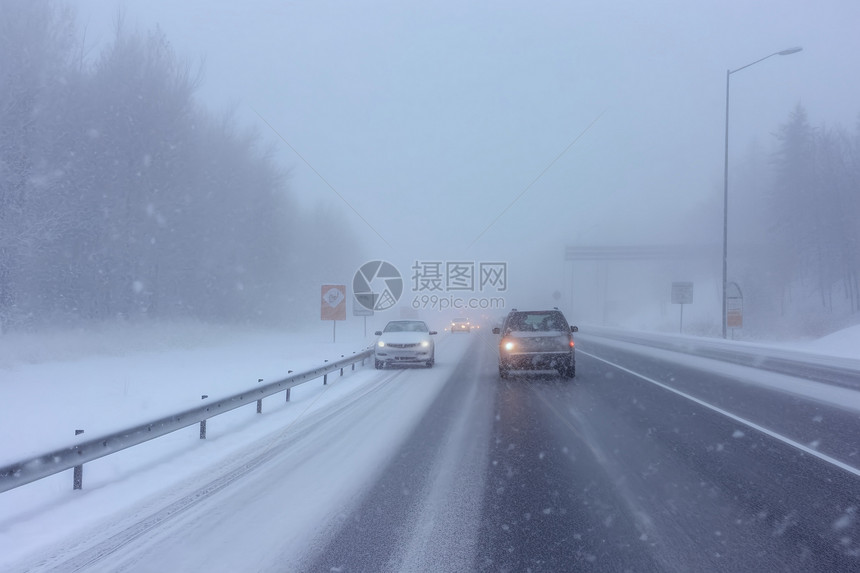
(333, 306)
(682, 293)
(359, 310)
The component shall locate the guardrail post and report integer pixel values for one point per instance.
(325, 379)
(288, 394)
(78, 474)
(260, 401)
(203, 422)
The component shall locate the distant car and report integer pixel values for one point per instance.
(460, 325)
(405, 342)
(536, 340)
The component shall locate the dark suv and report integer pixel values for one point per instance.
(536, 340)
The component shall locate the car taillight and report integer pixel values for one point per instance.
(571, 343)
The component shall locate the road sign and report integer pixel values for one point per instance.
(360, 310)
(734, 318)
(734, 306)
(682, 293)
(333, 302)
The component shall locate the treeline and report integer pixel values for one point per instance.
(800, 258)
(120, 196)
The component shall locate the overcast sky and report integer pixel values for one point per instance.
(431, 118)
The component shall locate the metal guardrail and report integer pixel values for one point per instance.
(73, 457)
(837, 371)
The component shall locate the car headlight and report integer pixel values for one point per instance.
(508, 345)
(380, 344)
(425, 343)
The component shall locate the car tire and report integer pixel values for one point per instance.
(432, 361)
(503, 373)
(379, 364)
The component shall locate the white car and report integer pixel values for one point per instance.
(405, 342)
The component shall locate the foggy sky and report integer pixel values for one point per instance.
(430, 119)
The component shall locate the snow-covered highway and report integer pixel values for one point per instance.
(645, 462)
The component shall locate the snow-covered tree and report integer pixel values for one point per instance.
(121, 196)
(36, 43)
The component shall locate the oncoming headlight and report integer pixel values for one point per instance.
(380, 344)
(425, 343)
(509, 345)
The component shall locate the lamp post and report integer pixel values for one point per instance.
(726, 176)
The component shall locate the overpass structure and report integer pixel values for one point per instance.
(611, 278)
(642, 252)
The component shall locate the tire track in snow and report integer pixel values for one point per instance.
(89, 553)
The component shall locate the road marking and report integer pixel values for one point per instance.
(806, 449)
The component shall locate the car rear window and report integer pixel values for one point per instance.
(538, 321)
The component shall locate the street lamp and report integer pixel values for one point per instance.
(726, 176)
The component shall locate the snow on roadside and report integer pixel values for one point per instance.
(845, 343)
(103, 385)
(132, 376)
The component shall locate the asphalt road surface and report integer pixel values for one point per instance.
(609, 472)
